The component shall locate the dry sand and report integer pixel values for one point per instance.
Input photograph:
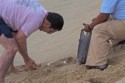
(57, 52)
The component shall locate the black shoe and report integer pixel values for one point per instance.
(97, 67)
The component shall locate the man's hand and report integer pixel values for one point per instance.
(86, 28)
(31, 64)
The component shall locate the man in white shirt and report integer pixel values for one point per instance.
(22, 17)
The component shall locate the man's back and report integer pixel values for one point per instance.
(25, 14)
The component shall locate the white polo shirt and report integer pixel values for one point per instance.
(27, 15)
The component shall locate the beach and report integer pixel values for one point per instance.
(57, 53)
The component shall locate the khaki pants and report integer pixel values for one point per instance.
(99, 45)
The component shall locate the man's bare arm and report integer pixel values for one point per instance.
(21, 39)
(22, 44)
(102, 17)
(99, 19)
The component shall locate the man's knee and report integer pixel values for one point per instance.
(12, 48)
(99, 29)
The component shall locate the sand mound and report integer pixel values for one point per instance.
(67, 70)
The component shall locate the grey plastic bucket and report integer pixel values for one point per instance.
(83, 47)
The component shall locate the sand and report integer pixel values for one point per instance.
(57, 52)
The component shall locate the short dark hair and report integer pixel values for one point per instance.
(56, 20)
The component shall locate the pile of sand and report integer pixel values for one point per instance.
(67, 70)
